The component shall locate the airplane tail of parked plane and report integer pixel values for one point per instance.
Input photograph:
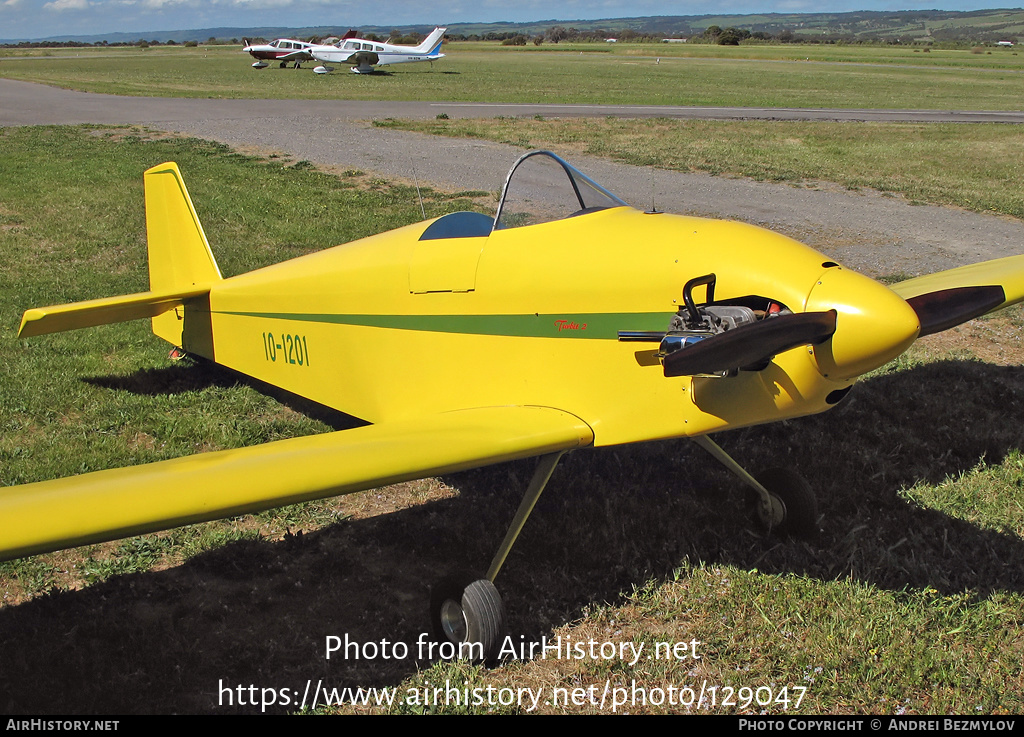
(181, 269)
(432, 44)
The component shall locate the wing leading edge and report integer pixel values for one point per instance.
(1005, 272)
(107, 505)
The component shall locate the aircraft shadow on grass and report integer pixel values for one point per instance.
(258, 611)
(197, 374)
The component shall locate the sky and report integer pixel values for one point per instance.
(30, 19)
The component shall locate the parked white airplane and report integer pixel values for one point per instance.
(282, 50)
(363, 55)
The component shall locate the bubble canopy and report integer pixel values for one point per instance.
(541, 187)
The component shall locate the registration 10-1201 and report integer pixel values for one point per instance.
(288, 348)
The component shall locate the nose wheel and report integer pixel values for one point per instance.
(784, 502)
(790, 507)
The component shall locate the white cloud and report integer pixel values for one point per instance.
(61, 5)
(166, 4)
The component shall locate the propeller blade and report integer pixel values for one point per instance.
(751, 344)
(948, 308)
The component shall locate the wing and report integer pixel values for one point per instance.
(363, 59)
(949, 298)
(300, 55)
(107, 505)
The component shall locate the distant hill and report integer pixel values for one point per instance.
(903, 26)
(978, 25)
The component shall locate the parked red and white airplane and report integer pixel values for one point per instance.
(283, 50)
(364, 55)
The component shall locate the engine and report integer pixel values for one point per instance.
(694, 323)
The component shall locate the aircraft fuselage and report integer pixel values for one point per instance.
(392, 327)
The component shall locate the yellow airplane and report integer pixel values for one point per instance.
(568, 320)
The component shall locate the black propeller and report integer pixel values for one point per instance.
(948, 308)
(751, 344)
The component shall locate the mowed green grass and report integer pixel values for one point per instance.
(658, 74)
(910, 601)
(976, 167)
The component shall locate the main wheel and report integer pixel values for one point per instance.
(470, 616)
(794, 508)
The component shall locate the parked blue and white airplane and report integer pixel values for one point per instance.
(364, 55)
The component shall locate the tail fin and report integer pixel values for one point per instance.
(180, 260)
(179, 254)
(432, 43)
(181, 268)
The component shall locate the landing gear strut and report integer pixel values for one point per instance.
(469, 614)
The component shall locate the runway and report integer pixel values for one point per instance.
(26, 103)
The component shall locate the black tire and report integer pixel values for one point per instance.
(800, 518)
(469, 614)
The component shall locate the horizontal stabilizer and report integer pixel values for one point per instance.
(55, 319)
(106, 505)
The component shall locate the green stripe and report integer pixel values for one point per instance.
(593, 325)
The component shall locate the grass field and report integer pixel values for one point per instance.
(659, 74)
(910, 601)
